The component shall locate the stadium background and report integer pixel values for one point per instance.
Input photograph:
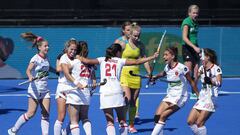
(98, 22)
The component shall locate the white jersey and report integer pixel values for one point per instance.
(111, 70)
(111, 94)
(40, 65)
(212, 73)
(81, 73)
(64, 60)
(208, 92)
(177, 74)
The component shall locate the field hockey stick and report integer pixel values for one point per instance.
(41, 75)
(204, 68)
(205, 72)
(88, 86)
(160, 79)
(154, 61)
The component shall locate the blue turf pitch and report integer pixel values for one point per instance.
(226, 120)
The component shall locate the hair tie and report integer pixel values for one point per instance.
(39, 38)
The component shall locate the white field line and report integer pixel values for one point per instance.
(145, 93)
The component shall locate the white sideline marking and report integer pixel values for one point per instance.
(147, 93)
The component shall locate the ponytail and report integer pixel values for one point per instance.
(82, 49)
(36, 40)
(112, 51)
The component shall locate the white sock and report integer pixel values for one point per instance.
(87, 128)
(111, 130)
(21, 120)
(202, 130)
(75, 129)
(123, 129)
(194, 128)
(57, 127)
(45, 125)
(158, 128)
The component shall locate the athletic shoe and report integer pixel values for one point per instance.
(132, 129)
(193, 96)
(10, 132)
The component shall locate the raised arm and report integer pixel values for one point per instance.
(159, 75)
(88, 61)
(141, 60)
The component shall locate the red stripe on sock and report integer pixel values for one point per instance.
(74, 127)
(25, 117)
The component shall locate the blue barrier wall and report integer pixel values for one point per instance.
(224, 40)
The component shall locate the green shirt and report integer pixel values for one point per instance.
(192, 30)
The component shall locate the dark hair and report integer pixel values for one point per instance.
(174, 51)
(35, 39)
(82, 48)
(212, 55)
(112, 51)
(127, 23)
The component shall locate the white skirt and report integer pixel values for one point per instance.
(60, 88)
(178, 100)
(111, 100)
(79, 97)
(206, 102)
(37, 95)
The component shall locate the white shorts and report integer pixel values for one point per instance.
(60, 87)
(111, 100)
(178, 100)
(79, 97)
(205, 102)
(37, 95)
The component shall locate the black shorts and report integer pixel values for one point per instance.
(190, 55)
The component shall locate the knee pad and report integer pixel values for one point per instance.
(156, 118)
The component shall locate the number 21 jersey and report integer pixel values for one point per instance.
(111, 70)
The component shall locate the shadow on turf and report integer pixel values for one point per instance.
(143, 121)
(151, 129)
(14, 89)
(6, 111)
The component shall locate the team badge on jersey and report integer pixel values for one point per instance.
(218, 70)
(176, 73)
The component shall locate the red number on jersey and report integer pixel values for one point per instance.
(85, 71)
(110, 67)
